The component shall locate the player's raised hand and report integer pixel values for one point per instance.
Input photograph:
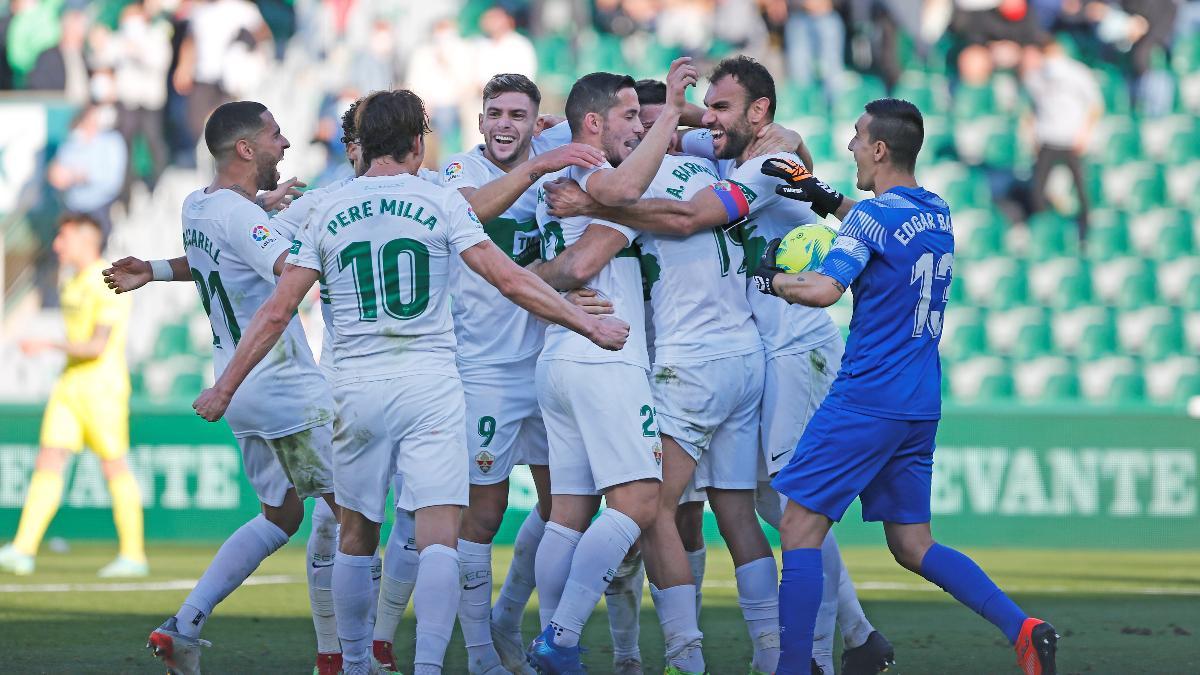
(609, 332)
(546, 121)
(681, 76)
(572, 154)
(281, 197)
(128, 274)
(773, 138)
(589, 301)
(801, 185)
(767, 269)
(211, 404)
(564, 198)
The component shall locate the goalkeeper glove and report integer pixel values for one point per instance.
(802, 185)
(764, 275)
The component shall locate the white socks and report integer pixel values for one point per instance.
(851, 619)
(352, 599)
(623, 599)
(237, 558)
(514, 594)
(696, 560)
(676, 608)
(435, 601)
(400, 562)
(475, 605)
(758, 596)
(552, 567)
(321, 547)
(600, 552)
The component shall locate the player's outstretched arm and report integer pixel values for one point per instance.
(583, 259)
(282, 196)
(263, 332)
(526, 290)
(707, 209)
(130, 274)
(625, 184)
(493, 198)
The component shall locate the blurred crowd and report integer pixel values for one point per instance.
(149, 71)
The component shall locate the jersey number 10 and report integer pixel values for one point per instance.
(358, 255)
(928, 312)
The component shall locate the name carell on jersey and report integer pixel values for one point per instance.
(919, 223)
(394, 207)
(197, 239)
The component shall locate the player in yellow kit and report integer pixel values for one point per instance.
(89, 406)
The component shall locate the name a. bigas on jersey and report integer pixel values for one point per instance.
(400, 208)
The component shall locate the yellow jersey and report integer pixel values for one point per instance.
(86, 304)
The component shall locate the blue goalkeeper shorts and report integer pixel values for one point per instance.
(844, 454)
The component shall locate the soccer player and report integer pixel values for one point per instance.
(383, 244)
(598, 407)
(233, 256)
(802, 345)
(88, 406)
(873, 436)
(131, 273)
(498, 345)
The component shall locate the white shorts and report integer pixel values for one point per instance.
(408, 425)
(300, 460)
(600, 424)
(794, 387)
(711, 409)
(504, 423)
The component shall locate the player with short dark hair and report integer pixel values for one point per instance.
(873, 436)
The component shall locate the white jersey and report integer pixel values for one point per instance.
(490, 328)
(232, 249)
(619, 281)
(698, 295)
(554, 137)
(383, 245)
(785, 328)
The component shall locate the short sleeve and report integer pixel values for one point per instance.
(581, 176)
(251, 236)
(554, 137)
(462, 172)
(288, 222)
(861, 224)
(698, 142)
(758, 187)
(465, 229)
(845, 261)
(630, 233)
(429, 176)
(303, 252)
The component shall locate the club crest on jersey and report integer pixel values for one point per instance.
(658, 453)
(453, 170)
(484, 460)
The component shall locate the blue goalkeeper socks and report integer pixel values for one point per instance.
(799, 600)
(959, 576)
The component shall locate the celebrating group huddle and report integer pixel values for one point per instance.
(596, 299)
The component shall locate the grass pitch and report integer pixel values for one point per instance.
(1119, 612)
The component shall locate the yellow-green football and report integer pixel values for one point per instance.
(803, 249)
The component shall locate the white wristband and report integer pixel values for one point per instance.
(160, 270)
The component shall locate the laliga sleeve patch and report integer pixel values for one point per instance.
(262, 235)
(733, 199)
(453, 170)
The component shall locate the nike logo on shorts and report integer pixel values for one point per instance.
(316, 566)
(471, 588)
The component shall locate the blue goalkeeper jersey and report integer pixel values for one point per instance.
(898, 261)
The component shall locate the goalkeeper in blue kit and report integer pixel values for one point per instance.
(873, 436)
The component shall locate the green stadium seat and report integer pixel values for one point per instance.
(1033, 340)
(1097, 341)
(1124, 282)
(1127, 388)
(1177, 278)
(997, 388)
(1168, 234)
(977, 235)
(971, 101)
(964, 333)
(1108, 234)
(1052, 235)
(1061, 283)
(187, 385)
(997, 282)
(968, 377)
(1006, 329)
(1121, 144)
(1045, 379)
(1113, 379)
(1155, 331)
(1185, 54)
(1186, 388)
(173, 339)
(1191, 329)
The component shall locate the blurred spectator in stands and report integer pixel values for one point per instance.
(815, 37)
(989, 21)
(1066, 106)
(739, 24)
(89, 169)
(143, 54)
(1142, 28)
(34, 28)
(329, 135)
(208, 56)
(374, 64)
(686, 25)
(62, 67)
(502, 49)
(179, 136)
(445, 80)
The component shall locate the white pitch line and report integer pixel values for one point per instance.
(136, 586)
